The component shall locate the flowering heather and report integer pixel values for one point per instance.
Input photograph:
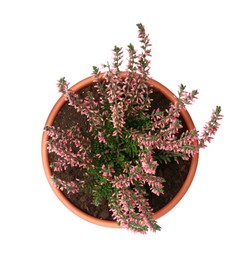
(125, 142)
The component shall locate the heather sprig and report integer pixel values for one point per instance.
(70, 186)
(72, 148)
(131, 209)
(88, 107)
(119, 153)
(210, 128)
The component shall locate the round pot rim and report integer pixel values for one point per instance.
(109, 223)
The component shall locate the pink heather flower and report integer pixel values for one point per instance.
(131, 209)
(62, 146)
(118, 118)
(210, 128)
(88, 106)
(101, 137)
(144, 173)
(70, 186)
(148, 164)
(107, 172)
(62, 85)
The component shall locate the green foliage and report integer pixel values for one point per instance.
(139, 121)
(101, 190)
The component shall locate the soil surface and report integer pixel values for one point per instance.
(173, 173)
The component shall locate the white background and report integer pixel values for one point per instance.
(201, 44)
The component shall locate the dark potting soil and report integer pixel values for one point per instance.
(173, 173)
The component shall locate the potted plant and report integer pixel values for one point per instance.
(111, 138)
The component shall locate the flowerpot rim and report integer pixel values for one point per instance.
(110, 223)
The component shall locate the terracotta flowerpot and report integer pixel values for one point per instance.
(107, 223)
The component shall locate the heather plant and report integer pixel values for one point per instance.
(125, 142)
